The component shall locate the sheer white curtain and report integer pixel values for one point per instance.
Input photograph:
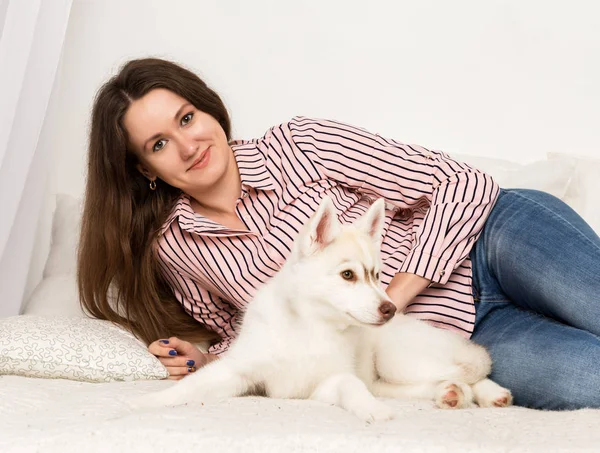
(31, 38)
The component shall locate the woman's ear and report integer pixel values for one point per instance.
(144, 171)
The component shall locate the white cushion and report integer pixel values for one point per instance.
(66, 223)
(583, 191)
(81, 349)
(546, 175)
(57, 293)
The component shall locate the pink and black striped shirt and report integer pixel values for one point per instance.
(436, 208)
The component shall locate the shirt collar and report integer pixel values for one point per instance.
(253, 173)
(252, 165)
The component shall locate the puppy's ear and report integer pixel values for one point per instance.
(321, 229)
(373, 220)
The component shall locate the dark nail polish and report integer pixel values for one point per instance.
(192, 369)
(190, 363)
(164, 341)
(172, 352)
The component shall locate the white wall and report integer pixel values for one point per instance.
(502, 78)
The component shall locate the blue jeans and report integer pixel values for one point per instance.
(536, 283)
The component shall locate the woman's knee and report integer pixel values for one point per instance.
(564, 377)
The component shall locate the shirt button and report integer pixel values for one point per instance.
(247, 217)
(442, 272)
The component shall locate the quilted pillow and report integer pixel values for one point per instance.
(75, 348)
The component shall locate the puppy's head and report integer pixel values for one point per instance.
(340, 264)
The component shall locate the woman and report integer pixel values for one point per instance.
(185, 225)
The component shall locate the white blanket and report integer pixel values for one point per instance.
(38, 415)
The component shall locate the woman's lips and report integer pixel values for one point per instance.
(202, 161)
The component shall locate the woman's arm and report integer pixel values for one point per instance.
(404, 287)
(455, 199)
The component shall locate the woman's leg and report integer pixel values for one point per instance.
(545, 364)
(536, 275)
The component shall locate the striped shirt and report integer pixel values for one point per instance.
(435, 210)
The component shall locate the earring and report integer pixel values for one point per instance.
(153, 185)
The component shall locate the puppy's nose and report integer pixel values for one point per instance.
(387, 309)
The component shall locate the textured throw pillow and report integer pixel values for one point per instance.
(75, 348)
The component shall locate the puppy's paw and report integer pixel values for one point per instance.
(375, 411)
(489, 394)
(453, 395)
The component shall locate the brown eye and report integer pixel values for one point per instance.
(187, 118)
(347, 275)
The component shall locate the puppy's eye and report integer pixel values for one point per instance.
(377, 276)
(347, 275)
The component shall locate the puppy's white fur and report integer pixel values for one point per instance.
(410, 358)
(310, 333)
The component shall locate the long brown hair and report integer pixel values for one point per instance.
(118, 275)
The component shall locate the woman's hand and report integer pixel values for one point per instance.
(179, 357)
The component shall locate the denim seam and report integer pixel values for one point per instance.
(494, 300)
(560, 217)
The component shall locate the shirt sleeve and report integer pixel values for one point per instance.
(455, 197)
(208, 309)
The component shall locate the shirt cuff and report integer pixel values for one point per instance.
(220, 347)
(433, 268)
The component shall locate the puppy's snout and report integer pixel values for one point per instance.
(387, 310)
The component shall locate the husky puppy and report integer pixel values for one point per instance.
(295, 339)
(317, 330)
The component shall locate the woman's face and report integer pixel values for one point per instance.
(176, 142)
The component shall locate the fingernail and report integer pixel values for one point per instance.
(172, 352)
(190, 363)
(191, 369)
(164, 341)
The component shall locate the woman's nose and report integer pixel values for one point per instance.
(188, 147)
